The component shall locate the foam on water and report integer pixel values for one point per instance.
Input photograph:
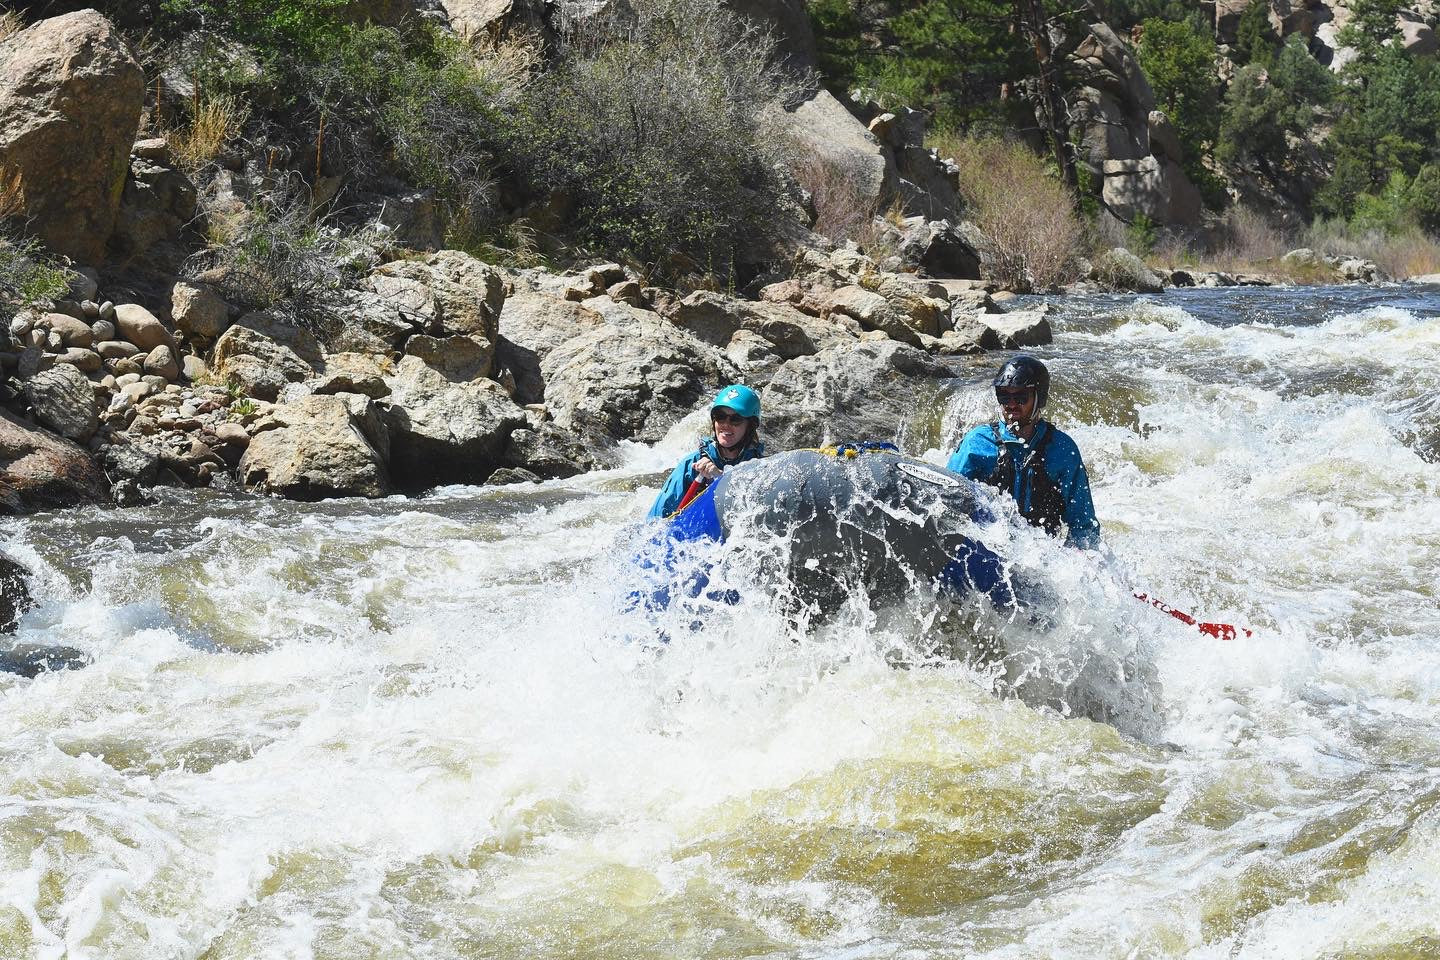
(434, 727)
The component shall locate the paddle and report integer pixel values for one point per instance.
(696, 485)
(1221, 631)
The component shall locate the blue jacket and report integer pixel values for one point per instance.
(978, 453)
(684, 474)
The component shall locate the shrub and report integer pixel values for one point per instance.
(1026, 215)
(28, 275)
(842, 211)
(1406, 253)
(215, 120)
(1424, 198)
(275, 256)
(1254, 39)
(655, 129)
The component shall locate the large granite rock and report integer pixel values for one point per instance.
(1119, 269)
(869, 391)
(447, 294)
(261, 354)
(446, 432)
(824, 133)
(39, 470)
(319, 447)
(715, 318)
(71, 92)
(632, 379)
(532, 326)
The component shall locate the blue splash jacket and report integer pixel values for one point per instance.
(684, 474)
(975, 458)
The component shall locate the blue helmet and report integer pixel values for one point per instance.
(741, 399)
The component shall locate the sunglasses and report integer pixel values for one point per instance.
(731, 418)
(1016, 397)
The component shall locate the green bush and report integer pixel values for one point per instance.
(1179, 60)
(1424, 198)
(655, 131)
(28, 275)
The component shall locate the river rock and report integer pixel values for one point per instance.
(160, 362)
(262, 355)
(450, 293)
(1119, 269)
(318, 447)
(875, 312)
(532, 325)
(546, 452)
(633, 379)
(868, 391)
(446, 432)
(39, 470)
(64, 401)
(715, 318)
(73, 332)
(459, 358)
(87, 361)
(1019, 328)
(71, 93)
(15, 596)
(142, 328)
(198, 310)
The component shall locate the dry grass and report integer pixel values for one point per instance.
(1027, 216)
(214, 121)
(1411, 253)
(11, 23)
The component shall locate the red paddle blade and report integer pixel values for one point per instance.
(1221, 631)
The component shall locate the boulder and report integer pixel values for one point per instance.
(71, 92)
(1119, 269)
(1417, 38)
(1153, 187)
(262, 354)
(715, 318)
(865, 391)
(1019, 328)
(354, 373)
(899, 307)
(360, 321)
(632, 379)
(161, 362)
(15, 596)
(938, 248)
(73, 332)
(198, 310)
(825, 134)
(63, 400)
(142, 328)
(547, 452)
(478, 19)
(319, 447)
(157, 204)
(39, 470)
(448, 294)
(532, 325)
(86, 361)
(458, 358)
(446, 432)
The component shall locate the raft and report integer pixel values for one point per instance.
(854, 517)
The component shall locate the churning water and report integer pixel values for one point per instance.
(430, 728)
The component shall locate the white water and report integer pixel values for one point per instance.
(425, 728)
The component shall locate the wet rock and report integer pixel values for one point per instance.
(128, 460)
(15, 596)
(508, 475)
(31, 660)
(63, 400)
(39, 470)
(318, 447)
(1019, 328)
(547, 452)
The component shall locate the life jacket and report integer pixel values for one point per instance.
(750, 451)
(1046, 506)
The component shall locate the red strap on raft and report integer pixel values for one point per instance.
(1221, 631)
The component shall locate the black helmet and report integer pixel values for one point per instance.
(1027, 373)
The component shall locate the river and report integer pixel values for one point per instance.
(426, 728)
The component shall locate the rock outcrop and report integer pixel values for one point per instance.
(319, 447)
(71, 93)
(40, 471)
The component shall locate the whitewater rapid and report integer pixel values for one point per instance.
(431, 727)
